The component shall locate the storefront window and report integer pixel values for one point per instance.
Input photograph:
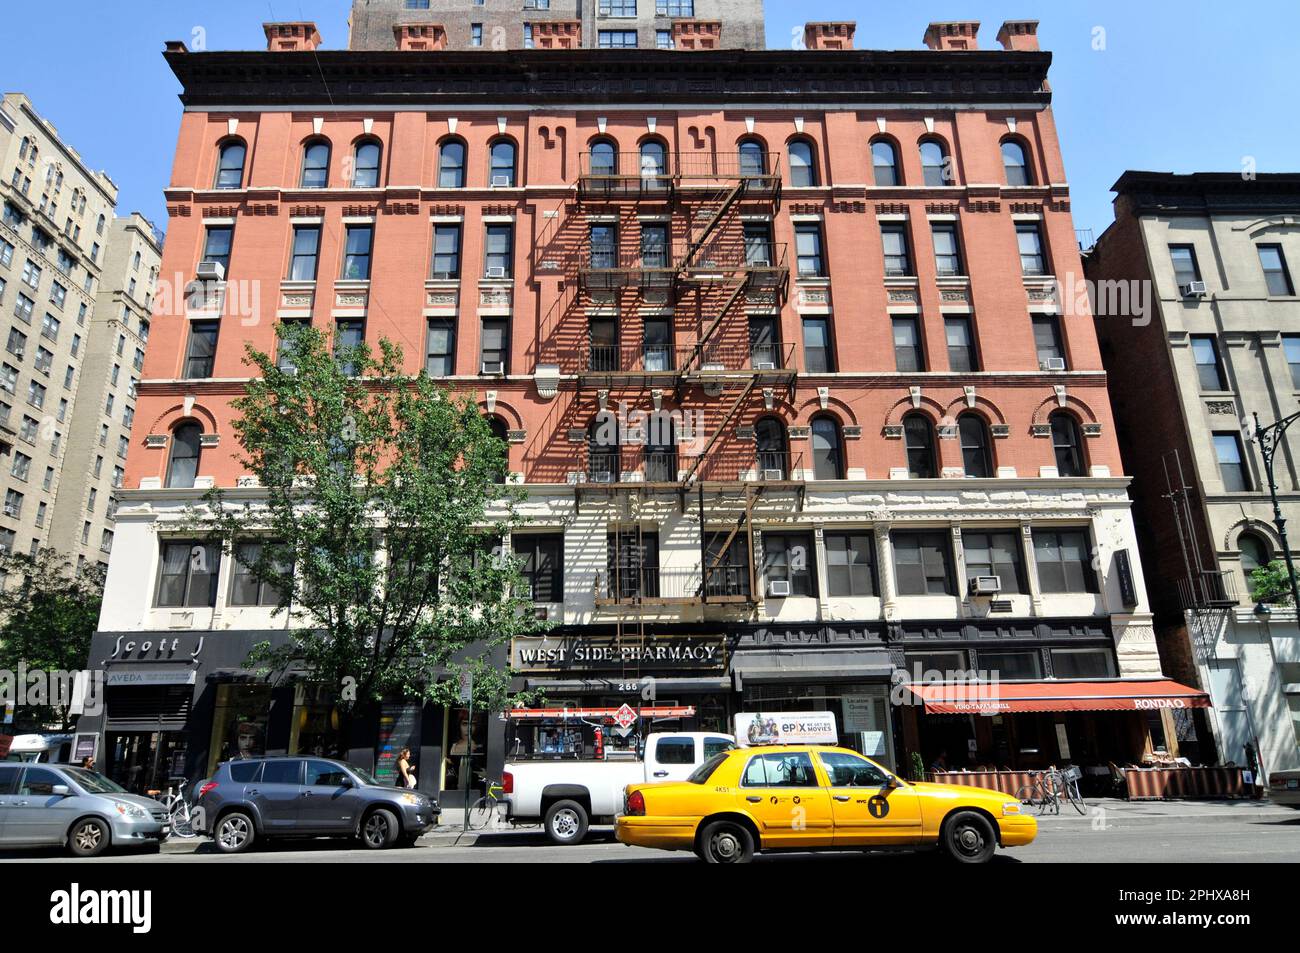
(239, 723)
(315, 725)
(1010, 665)
(1082, 663)
(466, 759)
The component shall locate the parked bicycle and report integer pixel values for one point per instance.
(487, 808)
(179, 810)
(1049, 788)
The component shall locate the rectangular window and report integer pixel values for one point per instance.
(528, 36)
(851, 564)
(245, 589)
(50, 327)
(674, 8)
(349, 335)
(632, 564)
(499, 251)
(961, 345)
(476, 34)
(187, 575)
(1184, 261)
(1209, 370)
(21, 466)
(1030, 240)
(818, 355)
(202, 351)
(1011, 665)
(356, 254)
(1276, 275)
(1064, 558)
(1232, 468)
(31, 274)
(617, 39)
(947, 255)
(790, 558)
(8, 378)
(216, 247)
(35, 394)
(995, 553)
(898, 259)
(909, 356)
(923, 563)
(618, 8)
(494, 347)
(808, 249)
(1047, 341)
(306, 249)
(446, 251)
(1291, 347)
(541, 559)
(58, 294)
(23, 308)
(1082, 663)
(441, 357)
(663, 39)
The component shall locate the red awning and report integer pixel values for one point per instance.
(663, 711)
(994, 698)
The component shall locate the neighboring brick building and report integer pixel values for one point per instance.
(555, 24)
(772, 340)
(65, 264)
(1218, 343)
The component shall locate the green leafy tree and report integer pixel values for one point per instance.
(1271, 584)
(377, 526)
(49, 611)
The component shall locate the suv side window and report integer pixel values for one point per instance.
(9, 778)
(675, 751)
(325, 774)
(714, 746)
(243, 772)
(39, 781)
(780, 770)
(282, 772)
(846, 771)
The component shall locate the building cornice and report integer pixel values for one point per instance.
(1208, 193)
(739, 78)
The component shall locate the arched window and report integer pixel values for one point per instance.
(770, 445)
(99, 225)
(918, 437)
(934, 163)
(753, 157)
(884, 163)
(803, 168)
(22, 149)
(828, 449)
(183, 466)
(603, 464)
(654, 164)
(1254, 552)
(230, 165)
(976, 450)
(604, 157)
(365, 165)
(315, 165)
(502, 162)
(1067, 444)
(1015, 164)
(498, 428)
(451, 164)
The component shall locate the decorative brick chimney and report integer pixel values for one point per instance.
(1019, 35)
(420, 36)
(956, 35)
(301, 35)
(557, 34)
(697, 34)
(829, 36)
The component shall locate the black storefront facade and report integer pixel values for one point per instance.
(176, 704)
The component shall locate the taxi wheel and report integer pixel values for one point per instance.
(968, 838)
(726, 842)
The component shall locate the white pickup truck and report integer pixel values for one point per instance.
(568, 796)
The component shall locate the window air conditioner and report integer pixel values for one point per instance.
(1052, 364)
(492, 367)
(210, 271)
(772, 474)
(499, 181)
(1193, 289)
(778, 588)
(496, 272)
(765, 365)
(985, 585)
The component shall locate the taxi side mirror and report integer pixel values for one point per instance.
(893, 782)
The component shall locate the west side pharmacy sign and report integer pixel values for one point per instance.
(587, 653)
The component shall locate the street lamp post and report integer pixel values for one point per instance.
(1269, 439)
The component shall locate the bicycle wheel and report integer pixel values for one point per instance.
(1027, 794)
(182, 821)
(481, 813)
(1076, 797)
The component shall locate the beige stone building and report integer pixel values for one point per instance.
(71, 286)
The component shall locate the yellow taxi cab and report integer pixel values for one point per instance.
(815, 797)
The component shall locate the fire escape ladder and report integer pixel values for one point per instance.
(695, 244)
(717, 432)
(746, 522)
(697, 350)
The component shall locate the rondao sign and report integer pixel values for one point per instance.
(786, 728)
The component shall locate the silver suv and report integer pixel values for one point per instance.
(307, 797)
(47, 805)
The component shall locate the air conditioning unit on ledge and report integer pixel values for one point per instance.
(778, 588)
(986, 585)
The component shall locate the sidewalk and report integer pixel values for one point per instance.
(1118, 808)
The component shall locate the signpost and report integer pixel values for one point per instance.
(467, 699)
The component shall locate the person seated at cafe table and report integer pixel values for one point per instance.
(940, 764)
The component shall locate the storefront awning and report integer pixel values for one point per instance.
(995, 698)
(661, 711)
(150, 675)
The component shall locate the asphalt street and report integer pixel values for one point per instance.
(1174, 834)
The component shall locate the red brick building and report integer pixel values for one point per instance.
(772, 337)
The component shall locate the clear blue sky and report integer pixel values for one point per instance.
(1190, 86)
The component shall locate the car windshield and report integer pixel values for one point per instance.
(704, 771)
(364, 776)
(93, 782)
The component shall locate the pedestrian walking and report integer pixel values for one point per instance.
(405, 769)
